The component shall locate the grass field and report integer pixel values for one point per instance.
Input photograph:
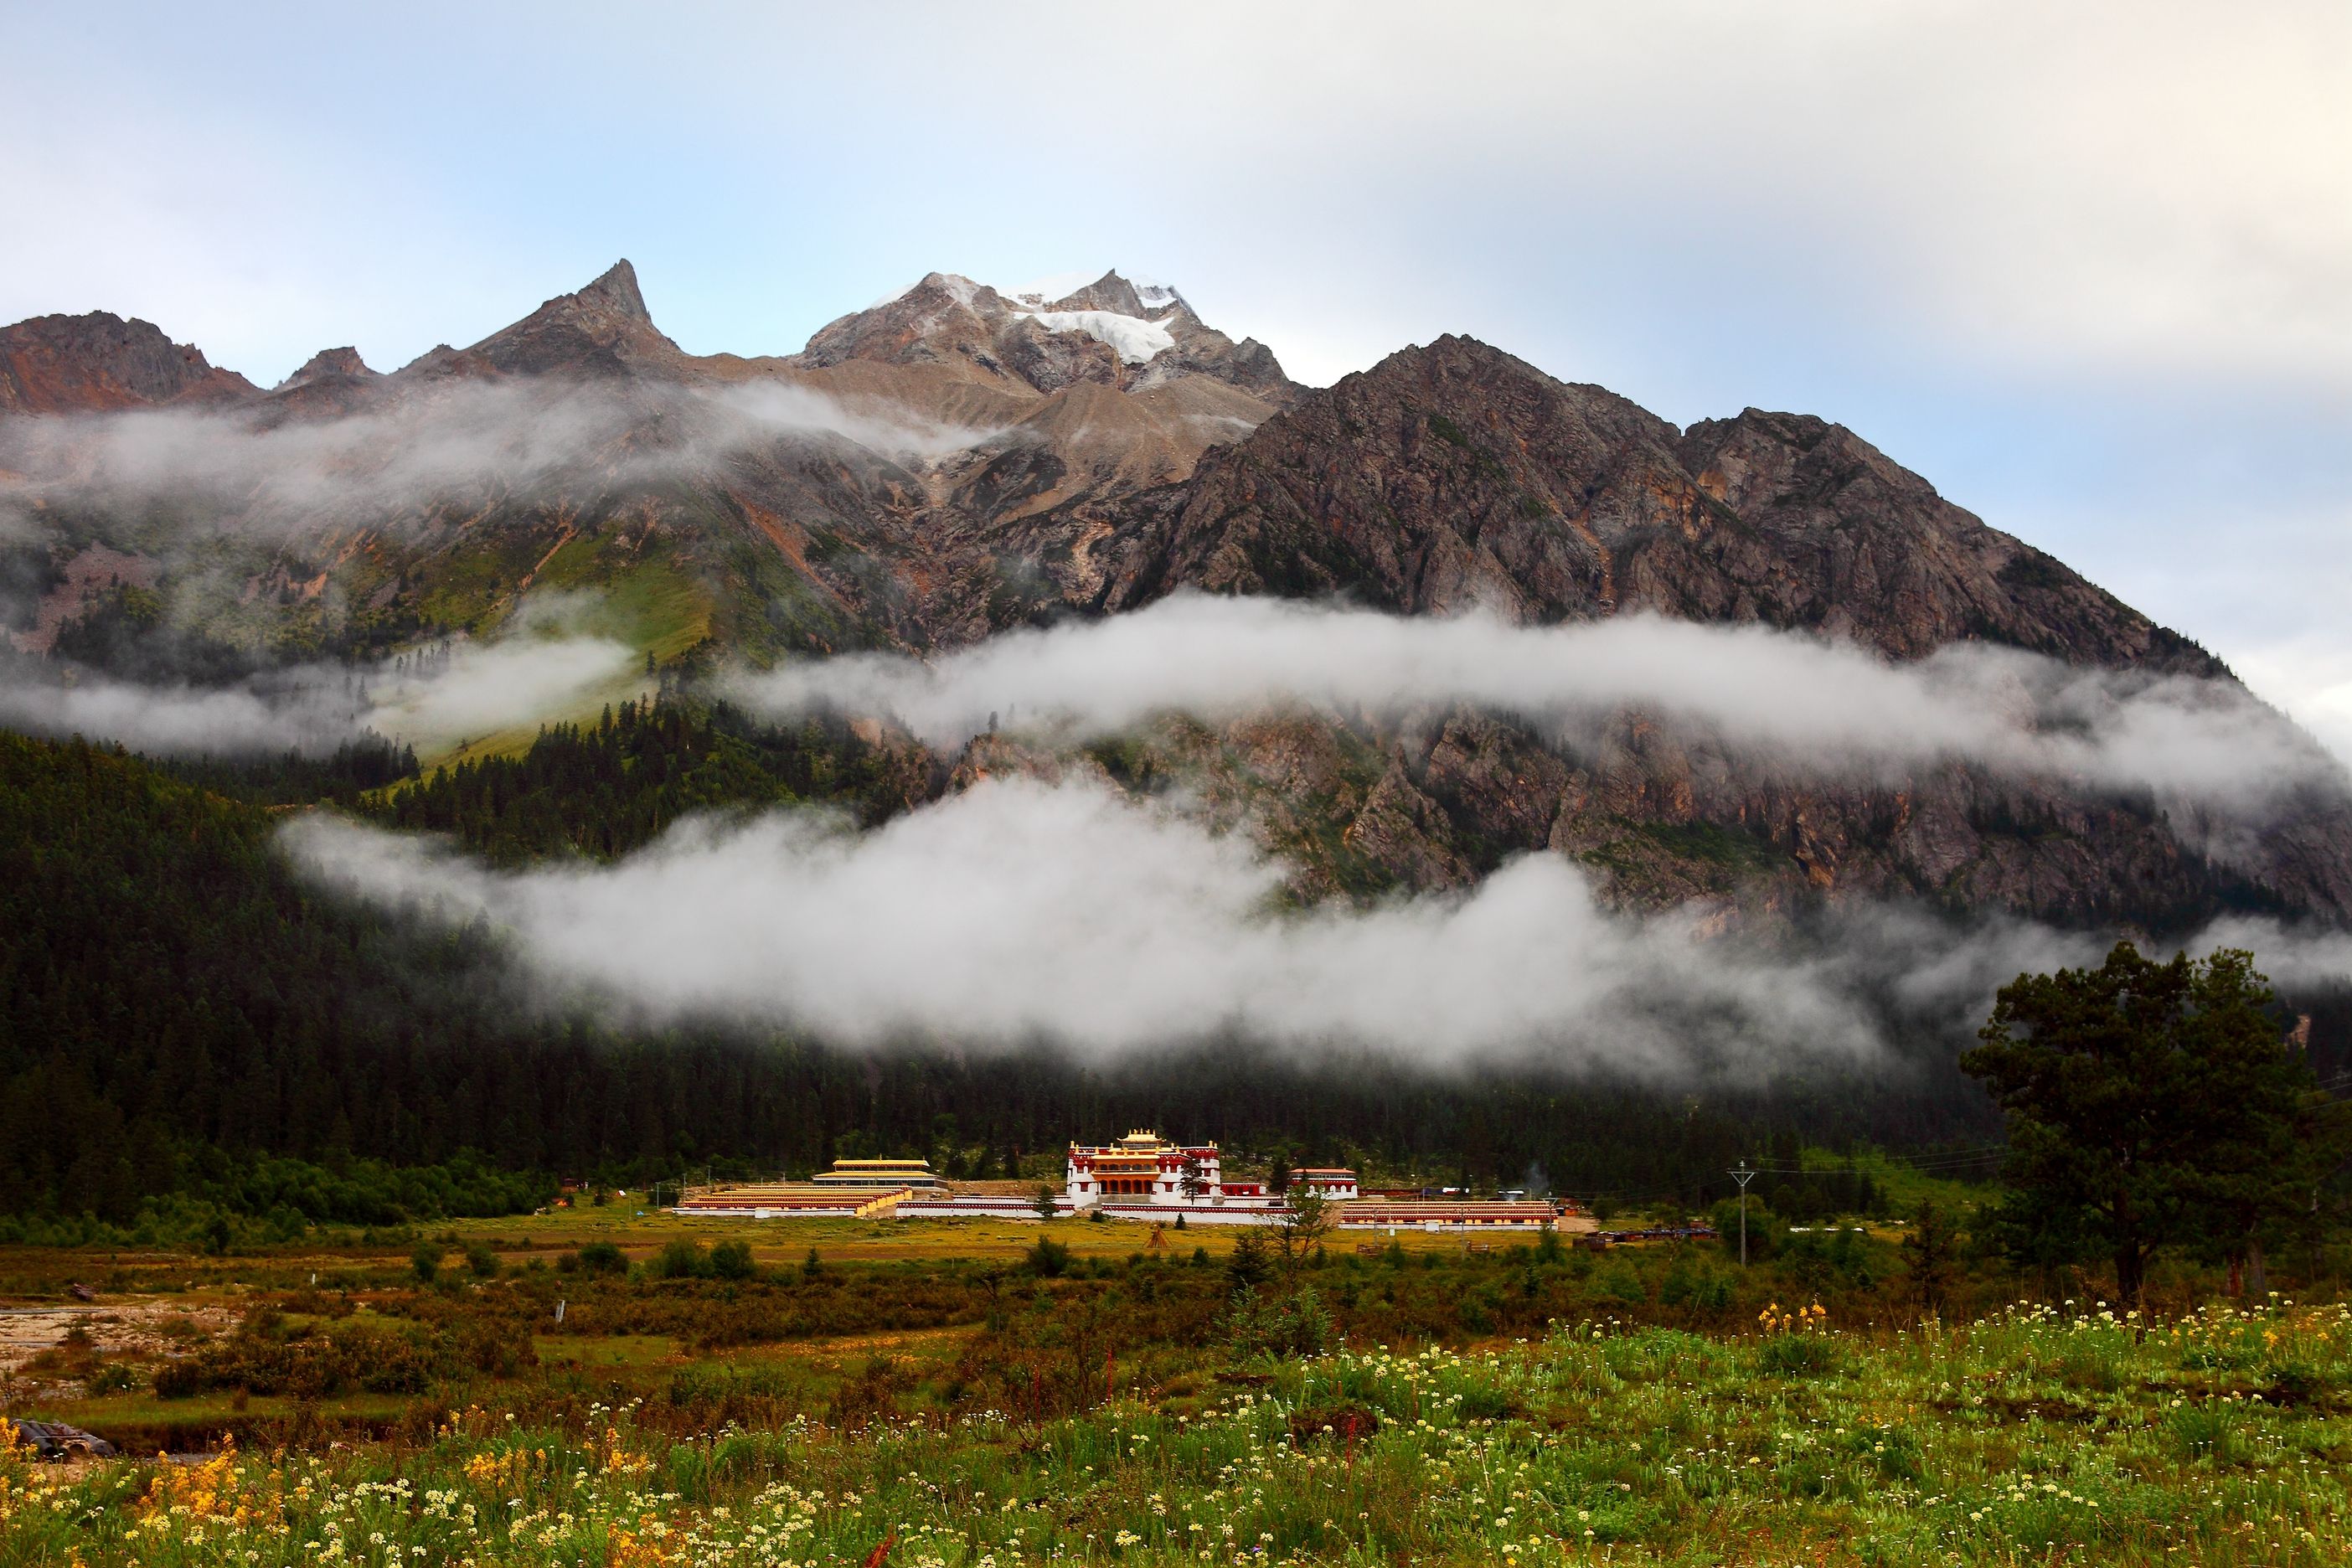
(949, 1394)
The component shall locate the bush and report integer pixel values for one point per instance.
(426, 1261)
(1690, 1284)
(1048, 1257)
(682, 1259)
(1762, 1227)
(112, 1378)
(1255, 1325)
(732, 1261)
(480, 1261)
(1621, 1284)
(599, 1257)
(268, 1358)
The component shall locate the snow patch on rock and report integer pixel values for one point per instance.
(1135, 338)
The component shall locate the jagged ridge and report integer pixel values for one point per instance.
(1094, 477)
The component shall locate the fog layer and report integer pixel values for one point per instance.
(477, 690)
(1021, 913)
(1812, 704)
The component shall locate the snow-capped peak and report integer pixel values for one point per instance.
(1133, 316)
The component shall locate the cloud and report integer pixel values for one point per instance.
(2297, 958)
(767, 408)
(437, 701)
(453, 443)
(1812, 704)
(1020, 912)
(482, 688)
(302, 712)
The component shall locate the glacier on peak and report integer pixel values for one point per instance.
(1135, 339)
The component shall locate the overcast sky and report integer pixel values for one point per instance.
(2087, 268)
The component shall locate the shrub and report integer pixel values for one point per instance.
(600, 1257)
(682, 1259)
(112, 1378)
(1255, 1325)
(732, 1261)
(1688, 1284)
(1048, 1257)
(1761, 1229)
(426, 1261)
(480, 1261)
(371, 1357)
(1621, 1284)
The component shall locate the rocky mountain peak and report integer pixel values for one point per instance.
(325, 363)
(603, 330)
(1453, 474)
(1042, 336)
(1143, 300)
(100, 361)
(615, 290)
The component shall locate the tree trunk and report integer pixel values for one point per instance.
(2258, 1282)
(2128, 1265)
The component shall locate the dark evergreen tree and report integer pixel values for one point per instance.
(2147, 1103)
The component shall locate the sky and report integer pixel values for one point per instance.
(2088, 268)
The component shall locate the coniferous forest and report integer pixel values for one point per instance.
(182, 1010)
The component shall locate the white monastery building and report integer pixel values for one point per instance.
(1144, 1168)
(1334, 1182)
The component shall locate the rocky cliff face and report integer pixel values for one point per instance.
(603, 330)
(99, 362)
(1455, 475)
(994, 459)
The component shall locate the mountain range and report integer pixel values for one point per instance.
(957, 460)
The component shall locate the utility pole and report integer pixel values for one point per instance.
(1743, 1176)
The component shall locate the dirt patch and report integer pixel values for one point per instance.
(129, 1328)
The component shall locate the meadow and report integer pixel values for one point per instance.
(868, 1393)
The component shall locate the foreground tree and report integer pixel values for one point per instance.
(2147, 1103)
(1304, 1223)
(1931, 1259)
